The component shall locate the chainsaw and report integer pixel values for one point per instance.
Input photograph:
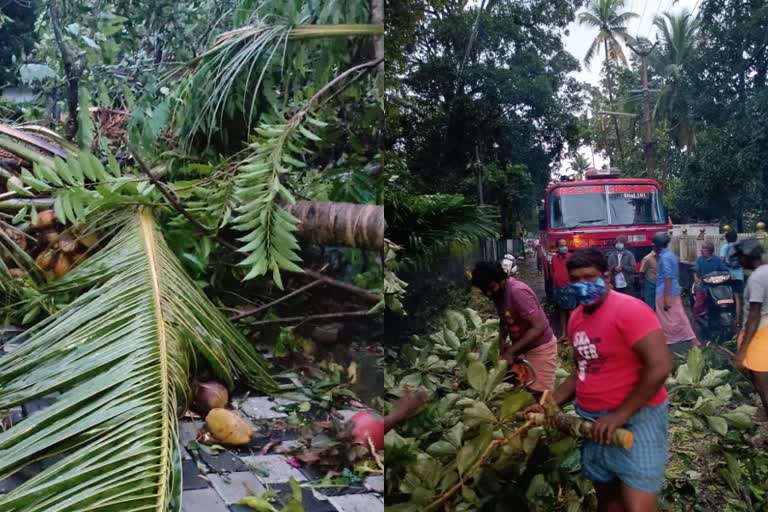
(521, 374)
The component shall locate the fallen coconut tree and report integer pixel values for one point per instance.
(322, 222)
(119, 357)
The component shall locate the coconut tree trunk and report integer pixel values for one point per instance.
(377, 18)
(346, 224)
(70, 73)
(610, 99)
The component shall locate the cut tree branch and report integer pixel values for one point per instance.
(369, 296)
(256, 311)
(309, 318)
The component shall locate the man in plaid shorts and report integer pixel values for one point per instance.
(622, 362)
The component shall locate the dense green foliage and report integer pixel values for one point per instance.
(245, 106)
(708, 73)
(712, 465)
(483, 96)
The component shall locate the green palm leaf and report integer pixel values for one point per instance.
(120, 358)
(246, 54)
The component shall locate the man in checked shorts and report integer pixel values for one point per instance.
(622, 362)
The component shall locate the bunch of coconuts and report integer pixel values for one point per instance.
(56, 249)
(226, 426)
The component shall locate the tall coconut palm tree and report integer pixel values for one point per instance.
(678, 35)
(607, 17)
(579, 164)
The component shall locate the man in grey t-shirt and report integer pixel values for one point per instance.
(756, 291)
(753, 339)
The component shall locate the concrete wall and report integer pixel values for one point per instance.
(687, 247)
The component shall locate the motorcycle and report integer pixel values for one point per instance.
(719, 313)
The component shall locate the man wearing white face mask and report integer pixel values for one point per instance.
(622, 266)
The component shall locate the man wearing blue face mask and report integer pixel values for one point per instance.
(622, 266)
(618, 380)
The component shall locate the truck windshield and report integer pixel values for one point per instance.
(601, 205)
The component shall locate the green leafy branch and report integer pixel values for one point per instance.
(259, 188)
(79, 186)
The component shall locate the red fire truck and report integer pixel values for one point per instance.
(593, 212)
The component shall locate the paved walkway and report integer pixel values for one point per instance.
(216, 482)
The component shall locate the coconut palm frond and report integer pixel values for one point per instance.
(118, 361)
(588, 18)
(594, 49)
(606, 16)
(624, 17)
(247, 54)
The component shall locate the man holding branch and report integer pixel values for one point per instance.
(622, 362)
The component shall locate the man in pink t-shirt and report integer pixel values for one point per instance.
(622, 362)
(522, 322)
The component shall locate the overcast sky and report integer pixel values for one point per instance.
(579, 39)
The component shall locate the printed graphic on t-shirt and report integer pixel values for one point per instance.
(589, 361)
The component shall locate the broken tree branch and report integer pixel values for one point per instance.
(302, 319)
(144, 168)
(69, 70)
(256, 311)
(377, 18)
(369, 296)
(580, 428)
(298, 291)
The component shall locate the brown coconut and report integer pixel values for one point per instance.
(88, 240)
(210, 395)
(67, 243)
(18, 237)
(46, 259)
(45, 219)
(17, 273)
(62, 266)
(228, 428)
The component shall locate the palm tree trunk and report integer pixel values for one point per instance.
(610, 99)
(70, 73)
(346, 224)
(326, 223)
(377, 18)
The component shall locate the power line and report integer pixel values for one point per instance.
(650, 28)
(640, 20)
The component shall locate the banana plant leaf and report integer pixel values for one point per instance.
(119, 359)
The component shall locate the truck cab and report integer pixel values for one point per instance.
(593, 212)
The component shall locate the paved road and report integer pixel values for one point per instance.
(529, 275)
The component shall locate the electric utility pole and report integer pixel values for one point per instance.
(648, 153)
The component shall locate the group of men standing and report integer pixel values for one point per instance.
(622, 352)
(660, 287)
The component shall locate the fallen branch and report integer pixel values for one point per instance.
(298, 291)
(493, 444)
(303, 319)
(580, 428)
(173, 201)
(369, 296)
